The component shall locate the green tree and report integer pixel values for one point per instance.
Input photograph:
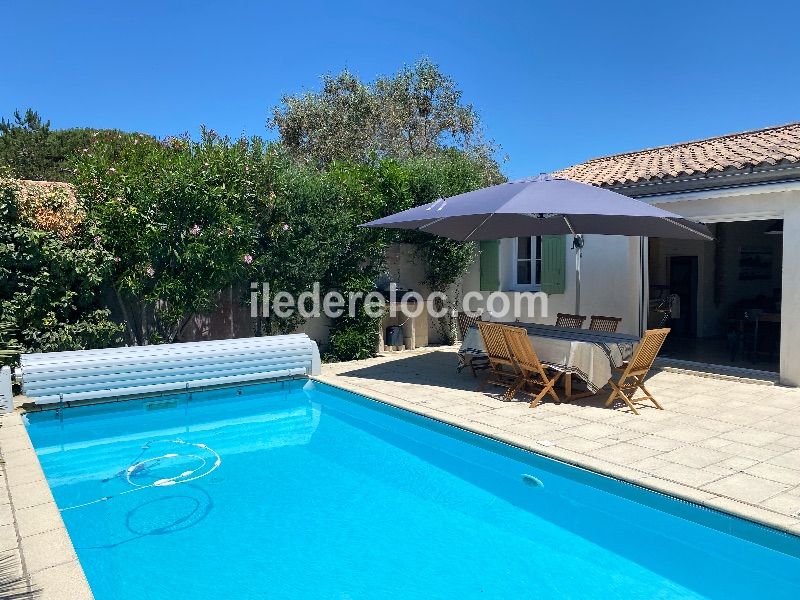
(415, 112)
(32, 150)
(23, 145)
(167, 212)
(413, 124)
(305, 227)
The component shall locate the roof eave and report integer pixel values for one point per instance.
(728, 178)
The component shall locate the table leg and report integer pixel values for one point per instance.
(568, 395)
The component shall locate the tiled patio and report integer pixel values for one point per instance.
(727, 444)
(32, 533)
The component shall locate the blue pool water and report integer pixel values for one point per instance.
(300, 490)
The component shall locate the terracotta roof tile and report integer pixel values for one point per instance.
(768, 146)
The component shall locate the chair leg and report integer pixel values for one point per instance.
(648, 394)
(618, 391)
(629, 402)
(614, 393)
(547, 388)
(512, 390)
(552, 387)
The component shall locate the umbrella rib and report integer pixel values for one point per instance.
(708, 238)
(571, 228)
(482, 223)
(434, 222)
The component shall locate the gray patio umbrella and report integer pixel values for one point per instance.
(543, 205)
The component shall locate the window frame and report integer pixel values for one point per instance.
(536, 259)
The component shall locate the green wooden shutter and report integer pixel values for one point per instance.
(490, 265)
(554, 260)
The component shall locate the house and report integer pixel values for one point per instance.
(746, 187)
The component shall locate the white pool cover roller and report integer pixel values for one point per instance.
(53, 377)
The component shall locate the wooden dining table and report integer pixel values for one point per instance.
(589, 355)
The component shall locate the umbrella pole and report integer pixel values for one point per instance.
(577, 244)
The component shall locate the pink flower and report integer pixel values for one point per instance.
(150, 271)
(248, 259)
(285, 227)
(97, 239)
(116, 259)
(195, 230)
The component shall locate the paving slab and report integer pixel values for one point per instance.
(36, 533)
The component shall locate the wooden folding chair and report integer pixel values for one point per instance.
(572, 321)
(476, 362)
(636, 370)
(502, 369)
(465, 321)
(598, 323)
(531, 370)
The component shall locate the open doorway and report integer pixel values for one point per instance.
(682, 280)
(722, 299)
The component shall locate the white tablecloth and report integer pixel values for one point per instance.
(591, 355)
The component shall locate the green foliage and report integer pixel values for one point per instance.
(415, 112)
(34, 151)
(416, 116)
(9, 347)
(353, 338)
(162, 227)
(50, 286)
(446, 261)
(447, 174)
(169, 214)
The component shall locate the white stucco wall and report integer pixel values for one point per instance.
(610, 281)
(790, 308)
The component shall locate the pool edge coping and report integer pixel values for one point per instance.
(719, 502)
(48, 558)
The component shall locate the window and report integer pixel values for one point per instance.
(527, 266)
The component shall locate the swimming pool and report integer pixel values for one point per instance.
(301, 490)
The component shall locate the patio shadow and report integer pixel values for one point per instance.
(438, 369)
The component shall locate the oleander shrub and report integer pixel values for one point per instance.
(51, 270)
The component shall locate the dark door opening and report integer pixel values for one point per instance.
(683, 282)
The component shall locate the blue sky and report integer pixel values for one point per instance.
(555, 82)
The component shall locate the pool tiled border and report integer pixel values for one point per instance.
(30, 522)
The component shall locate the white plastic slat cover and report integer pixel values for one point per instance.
(52, 377)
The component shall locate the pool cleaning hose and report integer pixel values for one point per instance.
(140, 466)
